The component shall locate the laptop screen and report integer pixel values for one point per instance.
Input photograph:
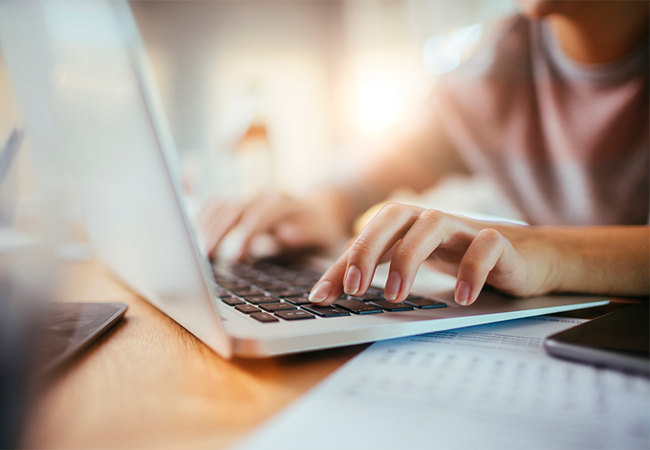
(85, 88)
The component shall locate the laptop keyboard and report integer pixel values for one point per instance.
(269, 291)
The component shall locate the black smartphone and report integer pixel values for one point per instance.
(71, 327)
(618, 340)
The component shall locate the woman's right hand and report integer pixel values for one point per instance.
(317, 221)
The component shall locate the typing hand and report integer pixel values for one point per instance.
(292, 223)
(407, 236)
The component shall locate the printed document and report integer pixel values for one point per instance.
(490, 386)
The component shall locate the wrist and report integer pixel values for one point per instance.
(556, 262)
(604, 260)
(548, 264)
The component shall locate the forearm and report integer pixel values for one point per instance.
(416, 155)
(607, 260)
(350, 197)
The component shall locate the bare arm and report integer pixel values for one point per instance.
(609, 260)
(416, 154)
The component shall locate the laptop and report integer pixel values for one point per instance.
(87, 93)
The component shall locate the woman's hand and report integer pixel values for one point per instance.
(317, 221)
(407, 236)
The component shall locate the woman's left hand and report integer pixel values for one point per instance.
(508, 258)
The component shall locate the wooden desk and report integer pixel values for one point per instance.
(149, 383)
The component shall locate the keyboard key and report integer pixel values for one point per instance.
(276, 271)
(326, 311)
(232, 285)
(264, 317)
(245, 292)
(223, 292)
(232, 301)
(246, 309)
(424, 303)
(296, 314)
(281, 293)
(302, 281)
(375, 291)
(263, 278)
(269, 285)
(289, 276)
(298, 301)
(357, 307)
(307, 287)
(257, 299)
(279, 306)
(366, 297)
(388, 306)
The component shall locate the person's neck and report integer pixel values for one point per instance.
(601, 35)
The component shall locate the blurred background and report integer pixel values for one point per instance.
(274, 93)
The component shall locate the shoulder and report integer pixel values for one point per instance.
(497, 79)
(494, 89)
(503, 50)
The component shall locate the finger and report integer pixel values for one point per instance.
(482, 255)
(389, 225)
(330, 286)
(298, 231)
(261, 217)
(422, 239)
(221, 224)
(264, 245)
(292, 234)
(326, 294)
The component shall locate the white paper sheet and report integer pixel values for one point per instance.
(490, 386)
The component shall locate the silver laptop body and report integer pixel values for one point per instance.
(87, 93)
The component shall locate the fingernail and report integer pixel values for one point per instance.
(393, 285)
(352, 280)
(320, 292)
(462, 293)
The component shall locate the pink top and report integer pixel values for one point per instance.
(567, 143)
